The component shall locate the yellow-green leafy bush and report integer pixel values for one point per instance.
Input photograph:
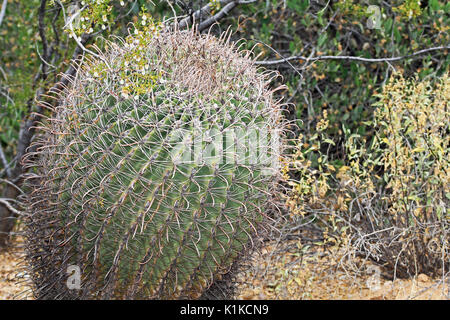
(388, 198)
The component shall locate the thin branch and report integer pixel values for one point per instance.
(205, 10)
(226, 7)
(41, 28)
(75, 37)
(9, 206)
(353, 58)
(3, 11)
(12, 184)
(4, 162)
(41, 58)
(218, 16)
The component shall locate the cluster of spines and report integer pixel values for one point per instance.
(136, 223)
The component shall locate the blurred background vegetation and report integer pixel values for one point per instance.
(344, 174)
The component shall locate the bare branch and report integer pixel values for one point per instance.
(226, 7)
(184, 23)
(9, 206)
(3, 11)
(4, 162)
(361, 59)
(220, 15)
(41, 28)
(12, 184)
(75, 37)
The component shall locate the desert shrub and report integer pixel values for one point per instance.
(388, 198)
(345, 88)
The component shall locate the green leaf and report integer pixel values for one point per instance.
(298, 6)
(434, 4)
(322, 39)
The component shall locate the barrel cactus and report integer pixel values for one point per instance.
(152, 174)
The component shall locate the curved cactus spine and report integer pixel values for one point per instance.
(152, 187)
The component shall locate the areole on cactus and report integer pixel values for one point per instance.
(153, 172)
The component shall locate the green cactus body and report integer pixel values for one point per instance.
(145, 194)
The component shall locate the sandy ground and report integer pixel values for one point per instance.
(324, 275)
(12, 280)
(285, 275)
